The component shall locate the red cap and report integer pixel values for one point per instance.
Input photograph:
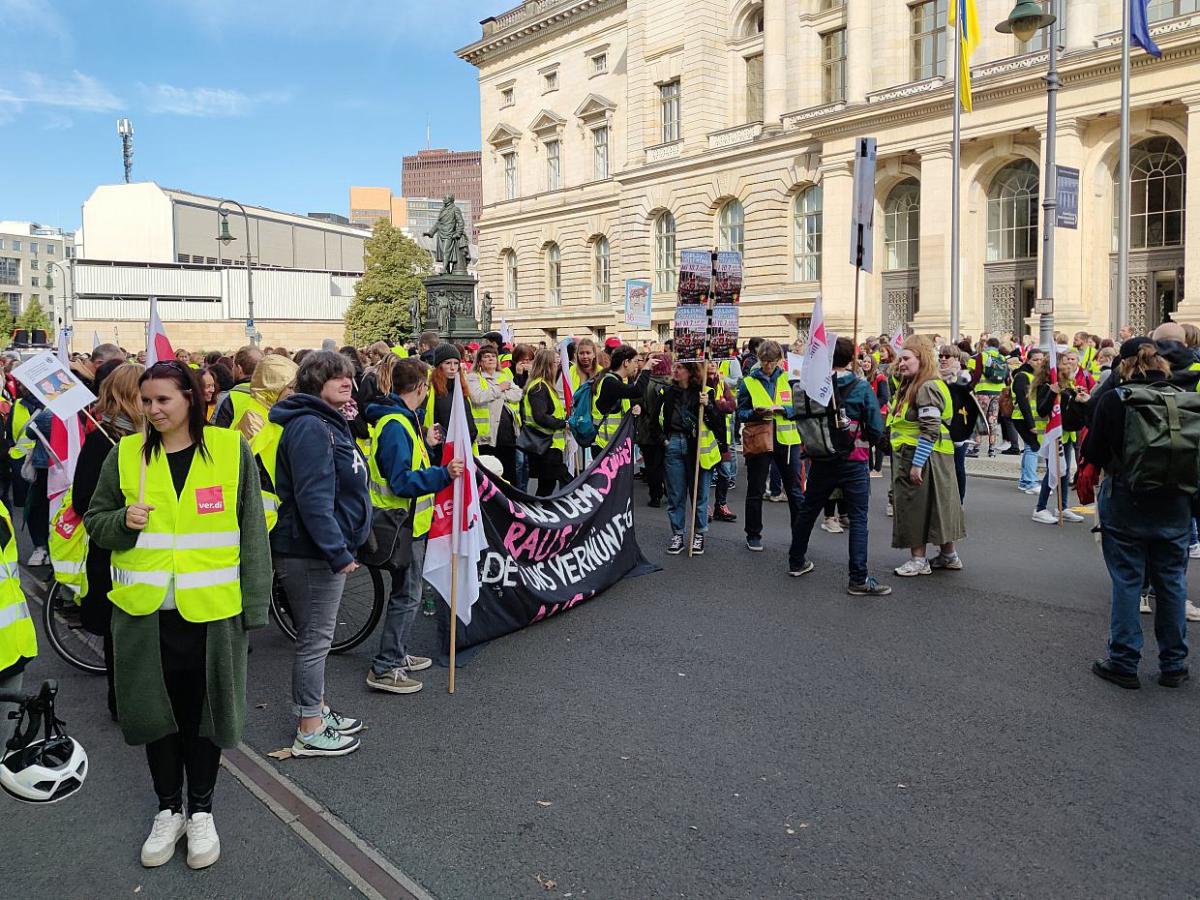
(612, 343)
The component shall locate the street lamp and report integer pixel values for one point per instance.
(68, 320)
(1023, 22)
(224, 237)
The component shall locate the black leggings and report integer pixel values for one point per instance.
(183, 651)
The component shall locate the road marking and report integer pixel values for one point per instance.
(361, 864)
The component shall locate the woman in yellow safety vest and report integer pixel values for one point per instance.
(614, 393)
(679, 418)
(496, 406)
(119, 412)
(18, 640)
(927, 505)
(544, 414)
(179, 507)
(444, 380)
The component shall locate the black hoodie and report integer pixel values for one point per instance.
(321, 480)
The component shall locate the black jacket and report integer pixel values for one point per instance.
(611, 390)
(541, 408)
(689, 398)
(321, 480)
(1022, 381)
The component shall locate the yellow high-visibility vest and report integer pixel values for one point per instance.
(22, 438)
(243, 402)
(482, 413)
(786, 432)
(265, 447)
(381, 492)
(710, 451)
(192, 542)
(17, 636)
(905, 433)
(606, 425)
(558, 439)
(68, 548)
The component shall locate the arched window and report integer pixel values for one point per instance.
(806, 231)
(902, 226)
(600, 270)
(510, 279)
(1012, 227)
(1157, 174)
(731, 227)
(553, 275)
(752, 22)
(665, 268)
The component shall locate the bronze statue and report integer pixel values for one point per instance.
(485, 312)
(450, 239)
(414, 313)
(443, 312)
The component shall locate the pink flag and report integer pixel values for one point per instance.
(818, 361)
(458, 534)
(158, 347)
(565, 374)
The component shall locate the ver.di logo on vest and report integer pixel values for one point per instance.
(209, 500)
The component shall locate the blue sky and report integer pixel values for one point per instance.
(283, 103)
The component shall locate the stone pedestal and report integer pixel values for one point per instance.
(457, 294)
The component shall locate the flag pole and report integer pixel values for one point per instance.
(955, 162)
(454, 545)
(1123, 179)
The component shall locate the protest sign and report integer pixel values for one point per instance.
(727, 282)
(638, 299)
(691, 326)
(56, 386)
(546, 555)
(723, 332)
(795, 364)
(695, 276)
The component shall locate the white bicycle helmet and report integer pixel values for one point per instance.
(50, 768)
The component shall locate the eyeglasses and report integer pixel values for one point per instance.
(945, 356)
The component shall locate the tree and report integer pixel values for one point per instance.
(395, 265)
(34, 317)
(7, 323)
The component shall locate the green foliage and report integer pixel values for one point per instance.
(34, 317)
(7, 323)
(394, 267)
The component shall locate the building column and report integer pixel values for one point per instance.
(1189, 309)
(859, 62)
(837, 274)
(937, 169)
(774, 62)
(1071, 312)
(1082, 24)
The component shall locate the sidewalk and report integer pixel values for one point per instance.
(1006, 467)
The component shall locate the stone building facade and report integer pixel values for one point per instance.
(617, 132)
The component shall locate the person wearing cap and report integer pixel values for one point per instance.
(444, 379)
(496, 404)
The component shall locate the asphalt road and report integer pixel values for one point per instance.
(717, 730)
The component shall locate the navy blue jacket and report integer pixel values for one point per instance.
(321, 480)
(394, 452)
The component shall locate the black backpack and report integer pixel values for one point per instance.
(820, 434)
(1162, 437)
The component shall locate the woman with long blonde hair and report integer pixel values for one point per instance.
(545, 416)
(925, 487)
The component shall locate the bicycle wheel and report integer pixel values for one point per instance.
(68, 637)
(359, 613)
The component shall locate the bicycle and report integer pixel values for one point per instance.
(64, 629)
(361, 609)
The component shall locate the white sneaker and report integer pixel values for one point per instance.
(1144, 605)
(167, 829)
(1002, 446)
(204, 847)
(1069, 515)
(39, 557)
(890, 510)
(1193, 612)
(832, 525)
(914, 566)
(1045, 517)
(1194, 551)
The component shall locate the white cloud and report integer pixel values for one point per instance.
(208, 102)
(75, 91)
(36, 16)
(55, 121)
(406, 20)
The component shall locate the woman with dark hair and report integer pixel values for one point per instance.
(324, 518)
(218, 382)
(683, 404)
(616, 394)
(180, 509)
(543, 411)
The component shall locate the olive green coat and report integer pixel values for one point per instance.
(142, 702)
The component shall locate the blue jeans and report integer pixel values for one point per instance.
(522, 480)
(825, 476)
(680, 469)
(1145, 535)
(1029, 457)
(402, 603)
(1064, 481)
(723, 474)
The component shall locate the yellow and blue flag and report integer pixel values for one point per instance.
(965, 19)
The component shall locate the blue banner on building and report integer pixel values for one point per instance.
(1066, 213)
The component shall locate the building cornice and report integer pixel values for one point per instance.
(532, 20)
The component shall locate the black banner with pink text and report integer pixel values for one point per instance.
(546, 555)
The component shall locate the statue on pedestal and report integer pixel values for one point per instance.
(485, 312)
(443, 313)
(414, 313)
(450, 239)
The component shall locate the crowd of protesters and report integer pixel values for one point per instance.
(204, 477)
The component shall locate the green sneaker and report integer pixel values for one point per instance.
(341, 724)
(325, 742)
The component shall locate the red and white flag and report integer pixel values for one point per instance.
(564, 374)
(457, 529)
(66, 440)
(816, 375)
(158, 346)
(1054, 427)
(898, 340)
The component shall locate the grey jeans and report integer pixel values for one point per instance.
(402, 604)
(314, 594)
(11, 683)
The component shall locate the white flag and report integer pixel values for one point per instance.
(457, 528)
(898, 339)
(818, 361)
(95, 339)
(506, 332)
(158, 347)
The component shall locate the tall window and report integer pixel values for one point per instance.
(510, 176)
(1157, 172)
(902, 226)
(553, 165)
(928, 39)
(806, 246)
(10, 272)
(833, 75)
(601, 270)
(600, 153)
(665, 272)
(510, 279)
(731, 227)
(754, 88)
(669, 109)
(1157, 10)
(1012, 228)
(553, 275)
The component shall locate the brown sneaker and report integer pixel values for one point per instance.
(394, 682)
(417, 663)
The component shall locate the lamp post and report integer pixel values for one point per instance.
(68, 320)
(1023, 22)
(224, 237)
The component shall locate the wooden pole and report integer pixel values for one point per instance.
(100, 428)
(1058, 478)
(142, 454)
(453, 612)
(699, 441)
